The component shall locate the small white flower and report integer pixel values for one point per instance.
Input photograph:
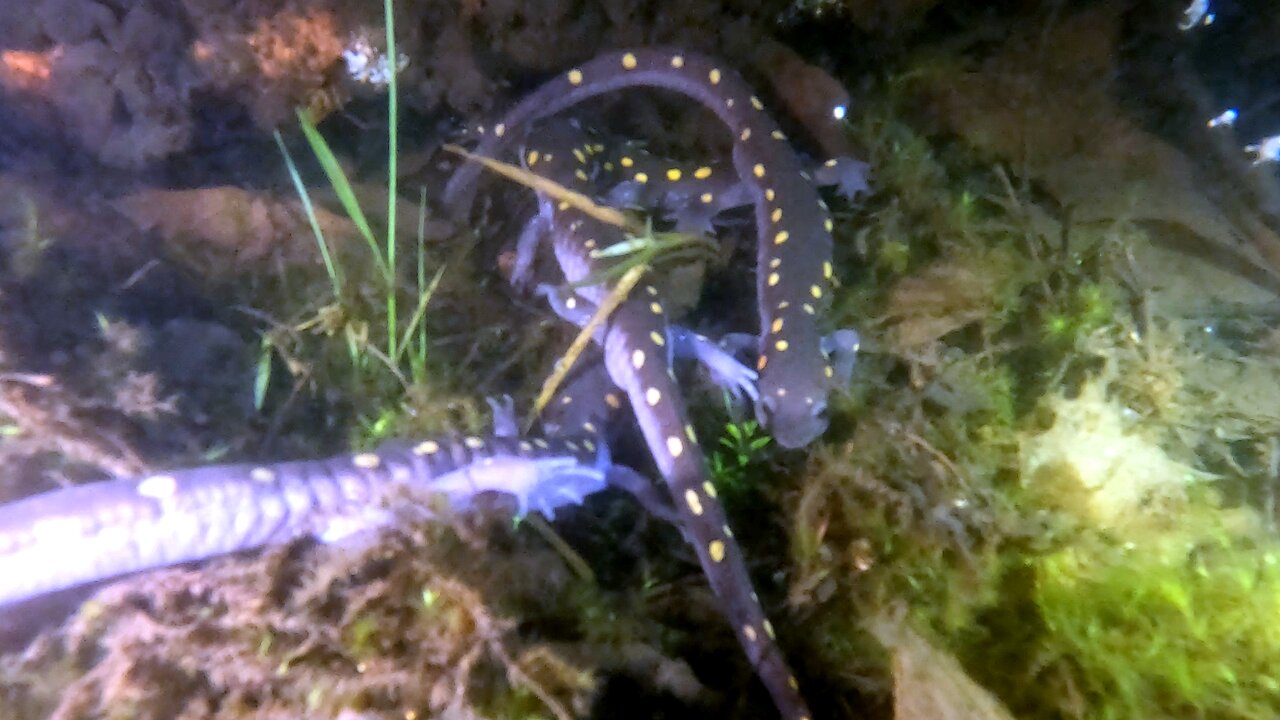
(368, 65)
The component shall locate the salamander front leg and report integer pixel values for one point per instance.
(841, 349)
(726, 371)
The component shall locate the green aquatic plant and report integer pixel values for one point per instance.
(1143, 632)
(741, 445)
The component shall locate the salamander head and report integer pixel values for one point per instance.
(797, 416)
(793, 403)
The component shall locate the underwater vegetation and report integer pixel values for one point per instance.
(1056, 468)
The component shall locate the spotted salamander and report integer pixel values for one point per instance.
(83, 534)
(794, 267)
(693, 195)
(637, 345)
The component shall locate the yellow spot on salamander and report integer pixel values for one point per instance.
(651, 290)
(499, 129)
(575, 77)
(426, 447)
(581, 174)
(637, 359)
(642, 177)
(781, 237)
(589, 244)
(827, 270)
(795, 685)
(702, 173)
(655, 308)
(589, 444)
(706, 198)
(728, 102)
(761, 362)
(674, 446)
(714, 76)
(755, 103)
(776, 326)
(776, 215)
(629, 61)
(657, 338)
(626, 161)
(540, 443)
(828, 225)
(773, 279)
(674, 174)
(768, 630)
(581, 156)
(531, 159)
(829, 371)
(566, 400)
(781, 345)
(749, 633)
(653, 396)
(808, 309)
(612, 400)
(525, 446)
(693, 438)
(758, 170)
(744, 136)
(677, 61)
(815, 291)
(708, 488)
(830, 163)
(716, 550)
(775, 262)
(262, 474)
(590, 427)
(728, 532)
(366, 461)
(777, 135)
(474, 443)
(691, 499)
(571, 303)
(769, 194)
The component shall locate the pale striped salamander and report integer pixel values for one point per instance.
(794, 269)
(69, 537)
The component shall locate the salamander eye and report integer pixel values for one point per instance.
(839, 112)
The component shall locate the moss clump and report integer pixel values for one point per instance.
(1136, 632)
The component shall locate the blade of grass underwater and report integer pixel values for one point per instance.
(393, 125)
(341, 186)
(424, 297)
(541, 184)
(585, 335)
(334, 272)
(418, 363)
(262, 377)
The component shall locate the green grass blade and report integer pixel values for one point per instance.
(334, 272)
(393, 124)
(341, 186)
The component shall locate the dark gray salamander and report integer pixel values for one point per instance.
(692, 195)
(92, 532)
(638, 357)
(794, 268)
